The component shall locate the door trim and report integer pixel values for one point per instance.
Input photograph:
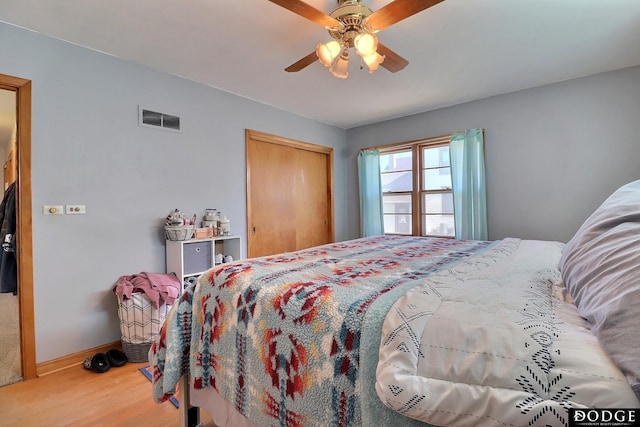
(22, 87)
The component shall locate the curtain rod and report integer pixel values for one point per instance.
(410, 143)
(433, 139)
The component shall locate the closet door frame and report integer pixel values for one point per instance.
(253, 135)
(22, 87)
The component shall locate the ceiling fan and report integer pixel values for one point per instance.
(353, 25)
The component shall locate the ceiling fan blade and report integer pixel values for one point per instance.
(306, 11)
(396, 11)
(392, 61)
(307, 60)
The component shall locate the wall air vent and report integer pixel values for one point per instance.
(155, 119)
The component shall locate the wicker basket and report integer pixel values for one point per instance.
(140, 324)
(179, 232)
(136, 353)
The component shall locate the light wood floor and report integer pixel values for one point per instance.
(79, 397)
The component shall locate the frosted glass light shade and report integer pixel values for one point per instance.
(327, 52)
(341, 65)
(365, 44)
(373, 61)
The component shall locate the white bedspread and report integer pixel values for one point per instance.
(495, 341)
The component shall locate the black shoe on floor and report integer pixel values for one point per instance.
(116, 358)
(97, 363)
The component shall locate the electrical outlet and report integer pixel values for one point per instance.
(53, 210)
(75, 209)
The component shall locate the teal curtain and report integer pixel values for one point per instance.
(466, 152)
(371, 221)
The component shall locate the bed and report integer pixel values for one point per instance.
(414, 331)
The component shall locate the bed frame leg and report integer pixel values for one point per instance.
(189, 415)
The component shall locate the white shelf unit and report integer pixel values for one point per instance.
(188, 259)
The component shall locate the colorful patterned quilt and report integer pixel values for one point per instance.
(280, 337)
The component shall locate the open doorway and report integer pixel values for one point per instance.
(23, 216)
(10, 360)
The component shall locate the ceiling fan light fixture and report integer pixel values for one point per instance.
(352, 24)
(341, 65)
(373, 61)
(365, 44)
(327, 52)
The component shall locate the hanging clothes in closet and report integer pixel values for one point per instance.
(8, 261)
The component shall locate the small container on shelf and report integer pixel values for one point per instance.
(204, 233)
(210, 219)
(225, 226)
(179, 232)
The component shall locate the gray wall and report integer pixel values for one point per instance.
(552, 153)
(87, 148)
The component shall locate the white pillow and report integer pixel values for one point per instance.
(600, 266)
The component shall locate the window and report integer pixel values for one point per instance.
(416, 189)
(436, 195)
(396, 178)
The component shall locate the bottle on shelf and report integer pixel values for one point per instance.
(218, 218)
(211, 219)
(225, 226)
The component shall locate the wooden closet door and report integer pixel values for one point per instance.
(270, 201)
(311, 199)
(289, 194)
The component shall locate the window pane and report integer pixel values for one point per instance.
(397, 213)
(396, 162)
(396, 181)
(435, 157)
(397, 224)
(436, 179)
(396, 203)
(437, 203)
(438, 225)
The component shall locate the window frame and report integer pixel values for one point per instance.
(416, 147)
(422, 191)
(403, 149)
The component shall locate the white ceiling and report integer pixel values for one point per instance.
(458, 50)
